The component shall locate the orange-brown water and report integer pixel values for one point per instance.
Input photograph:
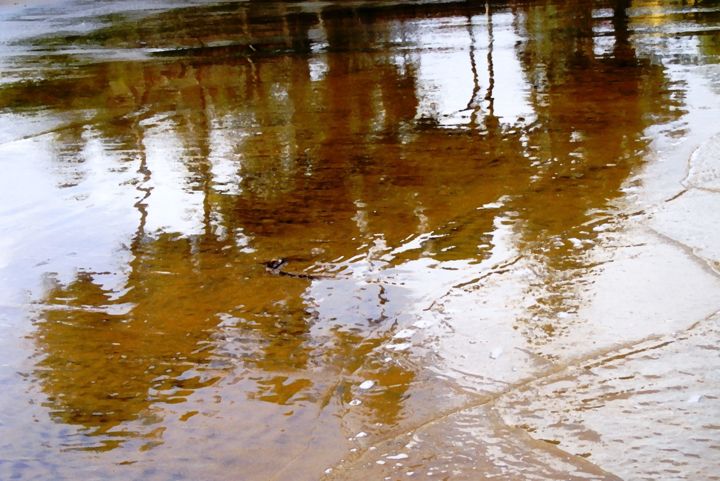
(499, 226)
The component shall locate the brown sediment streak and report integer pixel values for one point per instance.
(704, 262)
(499, 268)
(593, 359)
(479, 376)
(676, 196)
(77, 124)
(625, 355)
(552, 449)
(59, 128)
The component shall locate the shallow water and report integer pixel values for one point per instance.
(498, 227)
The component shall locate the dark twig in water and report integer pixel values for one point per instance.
(275, 267)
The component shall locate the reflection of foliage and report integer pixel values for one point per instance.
(353, 351)
(177, 287)
(592, 112)
(107, 360)
(103, 368)
(324, 166)
(710, 45)
(280, 389)
(88, 392)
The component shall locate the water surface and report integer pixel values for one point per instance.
(494, 224)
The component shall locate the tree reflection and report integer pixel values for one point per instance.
(301, 133)
(153, 340)
(592, 112)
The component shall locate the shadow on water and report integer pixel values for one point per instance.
(253, 131)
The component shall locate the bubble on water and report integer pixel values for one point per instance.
(379, 461)
(361, 434)
(576, 243)
(404, 334)
(403, 346)
(328, 471)
(355, 402)
(365, 385)
(496, 353)
(398, 456)
(695, 398)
